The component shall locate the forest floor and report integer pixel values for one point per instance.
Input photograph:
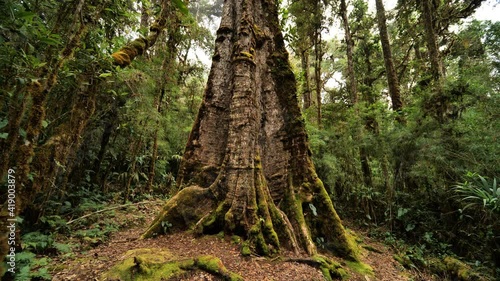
(94, 261)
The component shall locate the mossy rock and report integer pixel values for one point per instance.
(147, 264)
(160, 264)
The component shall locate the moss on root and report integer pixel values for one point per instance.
(159, 264)
(183, 210)
(327, 224)
(215, 266)
(331, 270)
(361, 268)
(454, 268)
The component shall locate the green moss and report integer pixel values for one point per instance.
(229, 221)
(361, 268)
(403, 260)
(235, 277)
(235, 239)
(210, 264)
(272, 236)
(330, 269)
(372, 249)
(159, 264)
(214, 266)
(261, 245)
(455, 268)
(145, 264)
(245, 249)
(183, 210)
(246, 54)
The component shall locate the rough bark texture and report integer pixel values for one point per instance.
(351, 76)
(392, 78)
(247, 164)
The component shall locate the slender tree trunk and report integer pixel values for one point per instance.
(392, 78)
(306, 87)
(247, 164)
(169, 80)
(154, 155)
(428, 14)
(317, 71)
(132, 170)
(106, 134)
(351, 75)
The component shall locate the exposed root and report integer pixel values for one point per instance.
(331, 270)
(183, 210)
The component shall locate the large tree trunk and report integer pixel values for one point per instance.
(247, 164)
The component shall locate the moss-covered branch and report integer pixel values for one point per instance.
(128, 53)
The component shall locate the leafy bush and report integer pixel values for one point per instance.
(478, 192)
(31, 268)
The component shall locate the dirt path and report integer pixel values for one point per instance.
(91, 264)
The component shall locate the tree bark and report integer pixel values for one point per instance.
(317, 70)
(306, 88)
(392, 78)
(428, 14)
(351, 75)
(247, 164)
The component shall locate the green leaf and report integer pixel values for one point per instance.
(402, 212)
(106, 74)
(25, 15)
(4, 135)
(45, 123)
(313, 209)
(22, 132)
(410, 227)
(50, 41)
(181, 6)
(3, 123)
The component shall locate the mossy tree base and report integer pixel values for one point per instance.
(159, 264)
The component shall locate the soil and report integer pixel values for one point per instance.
(91, 264)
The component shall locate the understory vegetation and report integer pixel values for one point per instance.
(86, 137)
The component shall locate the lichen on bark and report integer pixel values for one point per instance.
(247, 167)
